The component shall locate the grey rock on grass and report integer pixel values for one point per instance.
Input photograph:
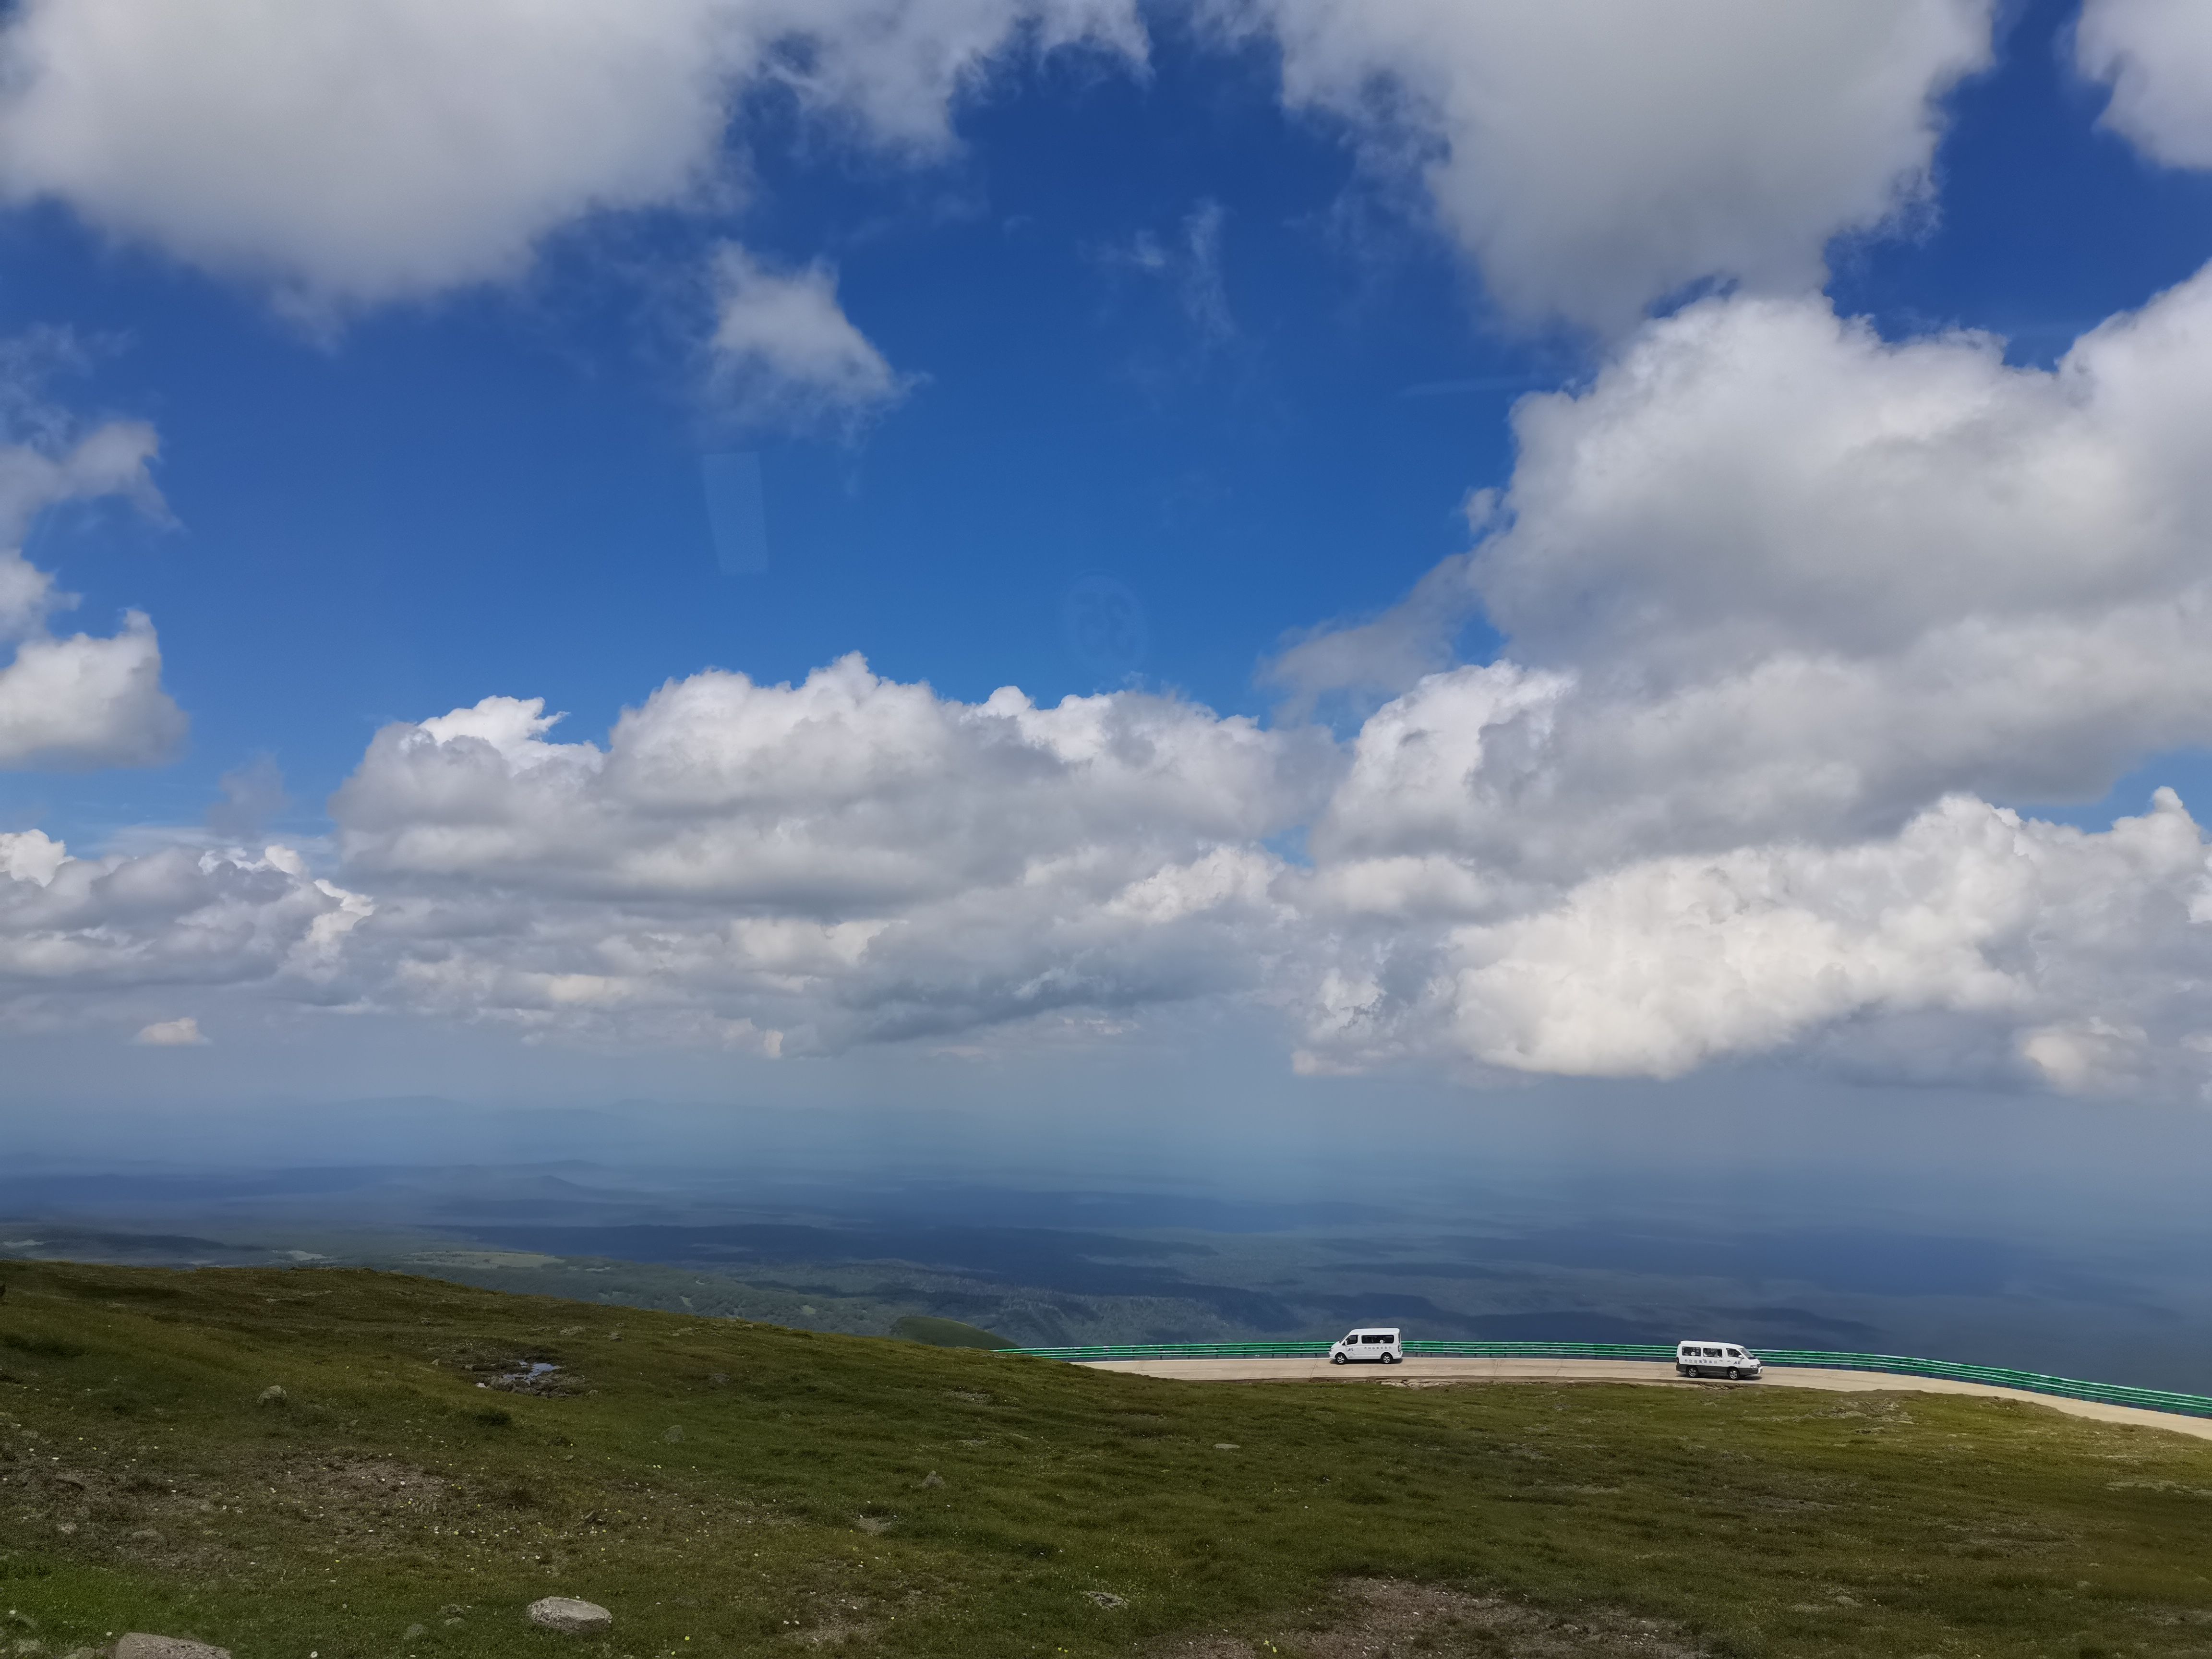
(562, 1612)
(137, 1644)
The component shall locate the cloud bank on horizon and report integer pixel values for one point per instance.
(1785, 605)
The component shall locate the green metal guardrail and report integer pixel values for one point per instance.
(2110, 1393)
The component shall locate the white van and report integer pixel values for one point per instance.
(1374, 1343)
(1716, 1359)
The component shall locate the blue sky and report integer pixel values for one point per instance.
(1679, 755)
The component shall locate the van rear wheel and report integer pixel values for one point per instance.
(1389, 1359)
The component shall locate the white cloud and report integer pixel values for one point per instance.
(1772, 577)
(82, 701)
(356, 151)
(845, 858)
(172, 1034)
(796, 869)
(28, 855)
(79, 931)
(1593, 155)
(1781, 599)
(2156, 55)
(784, 348)
(2077, 958)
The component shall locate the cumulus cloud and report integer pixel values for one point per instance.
(1770, 576)
(2070, 958)
(75, 931)
(1785, 606)
(81, 701)
(367, 150)
(839, 859)
(183, 1033)
(84, 702)
(1593, 155)
(797, 869)
(783, 869)
(783, 347)
(2156, 56)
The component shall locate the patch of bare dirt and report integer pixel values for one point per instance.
(1392, 1619)
(119, 1508)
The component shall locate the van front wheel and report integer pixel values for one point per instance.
(1735, 1376)
(1337, 1359)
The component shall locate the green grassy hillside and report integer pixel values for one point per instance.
(728, 1489)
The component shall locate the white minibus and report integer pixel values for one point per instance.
(1372, 1343)
(1727, 1359)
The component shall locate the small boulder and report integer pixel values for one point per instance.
(137, 1644)
(273, 1395)
(932, 1478)
(565, 1612)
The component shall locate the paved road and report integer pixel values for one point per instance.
(1430, 1373)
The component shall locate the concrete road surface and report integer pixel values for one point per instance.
(1433, 1373)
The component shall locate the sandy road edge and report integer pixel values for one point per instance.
(1417, 1373)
